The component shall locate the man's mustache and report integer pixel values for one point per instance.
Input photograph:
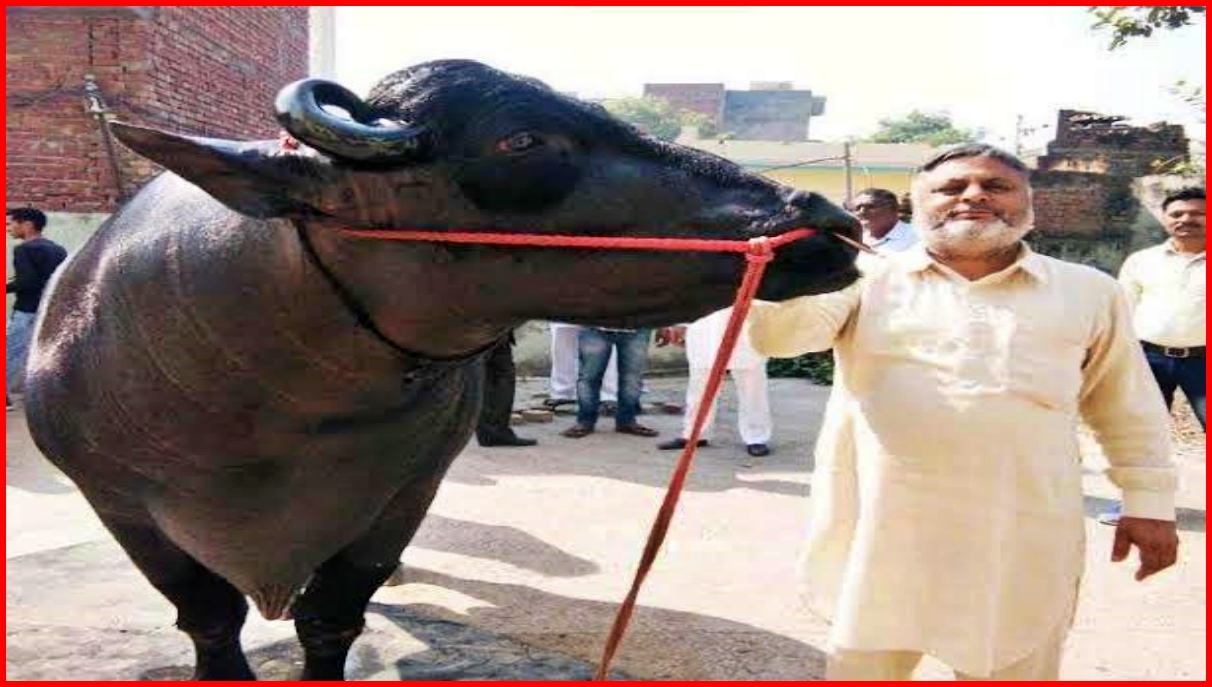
(976, 208)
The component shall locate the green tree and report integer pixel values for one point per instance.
(657, 116)
(1130, 22)
(922, 127)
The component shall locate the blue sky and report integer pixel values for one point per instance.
(982, 65)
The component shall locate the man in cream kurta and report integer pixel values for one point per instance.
(947, 497)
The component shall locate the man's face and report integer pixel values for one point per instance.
(972, 207)
(877, 216)
(1186, 219)
(14, 228)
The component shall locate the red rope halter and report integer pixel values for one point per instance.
(758, 253)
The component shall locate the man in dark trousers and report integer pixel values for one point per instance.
(500, 377)
(34, 260)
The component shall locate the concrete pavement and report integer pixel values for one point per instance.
(519, 569)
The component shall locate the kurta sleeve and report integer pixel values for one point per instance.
(802, 325)
(1122, 404)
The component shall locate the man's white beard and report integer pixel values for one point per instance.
(970, 238)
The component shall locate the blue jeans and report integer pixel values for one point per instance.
(1188, 374)
(17, 336)
(593, 352)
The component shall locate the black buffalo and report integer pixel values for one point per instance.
(256, 404)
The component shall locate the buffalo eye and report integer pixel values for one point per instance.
(518, 142)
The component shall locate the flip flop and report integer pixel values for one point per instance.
(577, 431)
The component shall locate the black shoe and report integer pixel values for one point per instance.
(513, 440)
(757, 450)
(679, 443)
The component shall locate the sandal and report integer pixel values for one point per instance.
(577, 431)
(553, 403)
(636, 430)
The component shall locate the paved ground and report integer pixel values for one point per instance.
(526, 553)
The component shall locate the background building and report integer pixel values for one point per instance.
(769, 111)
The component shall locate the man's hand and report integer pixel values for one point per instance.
(1156, 539)
(671, 335)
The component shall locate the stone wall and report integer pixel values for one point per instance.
(1090, 203)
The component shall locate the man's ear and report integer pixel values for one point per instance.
(254, 178)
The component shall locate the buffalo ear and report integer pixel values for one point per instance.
(252, 178)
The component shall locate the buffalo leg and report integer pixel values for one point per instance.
(330, 613)
(209, 609)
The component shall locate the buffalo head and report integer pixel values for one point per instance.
(455, 144)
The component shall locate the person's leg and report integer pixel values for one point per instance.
(753, 405)
(498, 394)
(500, 380)
(633, 359)
(871, 665)
(696, 384)
(1192, 376)
(1164, 372)
(1041, 664)
(17, 336)
(610, 383)
(593, 348)
(563, 361)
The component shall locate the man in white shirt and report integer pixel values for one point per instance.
(1167, 287)
(877, 210)
(947, 490)
(702, 339)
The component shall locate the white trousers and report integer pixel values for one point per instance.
(753, 404)
(1041, 664)
(565, 364)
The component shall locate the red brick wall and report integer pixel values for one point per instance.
(202, 70)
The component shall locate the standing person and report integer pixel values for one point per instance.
(564, 368)
(34, 261)
(703, 339)
(500, 382)
(947, 494)
(1167, 287)
(878, 210)
(594, 346)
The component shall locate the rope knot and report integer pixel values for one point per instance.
(760, 250)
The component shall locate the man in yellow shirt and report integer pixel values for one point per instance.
(1167, 287)
(947, 493)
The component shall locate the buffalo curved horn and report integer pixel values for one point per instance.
(300, 110)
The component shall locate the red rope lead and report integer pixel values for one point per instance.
(562, 241)
(758, 253)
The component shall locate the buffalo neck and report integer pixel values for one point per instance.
(414, 297)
